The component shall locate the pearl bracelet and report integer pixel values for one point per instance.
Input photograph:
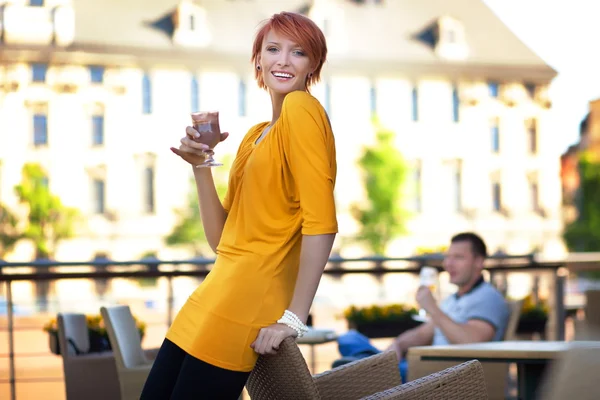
(290, 319)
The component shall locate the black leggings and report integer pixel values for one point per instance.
(176, 375)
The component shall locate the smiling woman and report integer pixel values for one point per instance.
(273, 232)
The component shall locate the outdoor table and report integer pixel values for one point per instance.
(531, 358)
(314, 337)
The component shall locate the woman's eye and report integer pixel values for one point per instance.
(271, 49)
(299, 53)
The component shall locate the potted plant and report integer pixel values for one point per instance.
(381, 321)
(96, 330)
(534, 316)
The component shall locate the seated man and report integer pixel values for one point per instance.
(477, 312)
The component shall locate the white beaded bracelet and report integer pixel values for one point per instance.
(290, 319)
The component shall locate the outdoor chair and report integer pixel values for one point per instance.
(133, 364)
(285, 376)
(88, 376)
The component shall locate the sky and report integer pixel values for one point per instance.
(565, 34)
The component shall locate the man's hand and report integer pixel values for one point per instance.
(425, 299)
(270, 337)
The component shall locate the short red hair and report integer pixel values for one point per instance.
(303, 31)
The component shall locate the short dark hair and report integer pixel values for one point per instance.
(478, 246)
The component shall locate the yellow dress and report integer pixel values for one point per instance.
(279, 189)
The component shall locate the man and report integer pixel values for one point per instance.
(477, 312)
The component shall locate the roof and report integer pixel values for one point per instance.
(372, 33)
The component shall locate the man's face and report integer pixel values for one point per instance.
(461, 264)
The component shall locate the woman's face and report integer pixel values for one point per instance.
(284, 64)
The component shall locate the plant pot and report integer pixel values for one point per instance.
(384, 329)
(53, 342)
(532, 325)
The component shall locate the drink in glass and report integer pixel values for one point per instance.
(207, 124)
(428, 277)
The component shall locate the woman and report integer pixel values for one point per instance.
(273, 233)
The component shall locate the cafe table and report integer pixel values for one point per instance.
(531, 358)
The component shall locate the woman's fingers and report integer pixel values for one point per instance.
(191, 144)
(191, 132)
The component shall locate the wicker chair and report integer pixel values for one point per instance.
(285, 376)
(465, 381)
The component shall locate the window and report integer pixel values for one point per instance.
(242, 98)
(495, 135)
(373, 94)
(530, 88)
(98, 196)
(40, 129)
(455, 104)
(38, 72)
(532, 136)
(146, 95)
(45, 182)
(456, 187)
(415, 104)
(96, 74)
(148, 182)
(493, 89)
(496, 196)
(36, 3)
(327, 100)
(534, 195)
(97, 130)
(417, 185)
(195, 94)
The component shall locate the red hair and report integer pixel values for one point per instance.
(303, 31)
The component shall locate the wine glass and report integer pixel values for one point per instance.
(429, 278)
(207, 124)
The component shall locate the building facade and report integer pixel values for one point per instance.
(98, 95)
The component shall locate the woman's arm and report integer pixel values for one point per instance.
(211, 210)
(313, 259)
(212, 213)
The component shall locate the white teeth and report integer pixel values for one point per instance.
(282, 75)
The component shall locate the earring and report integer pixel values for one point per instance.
(258, 67)
(310, 75)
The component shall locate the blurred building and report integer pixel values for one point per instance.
(98, 93)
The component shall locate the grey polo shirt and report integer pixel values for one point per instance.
(482, 302)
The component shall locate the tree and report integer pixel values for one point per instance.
(583, 234)
(9, 233)
(188, 231)
(382, 217)
(48, 220)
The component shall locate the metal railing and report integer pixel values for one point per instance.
(337, 266)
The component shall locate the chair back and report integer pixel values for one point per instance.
(592, 308)
(574, 375)
(284, 376)
(73, 335)
(515, 307)
(465, 381)
(124, 336)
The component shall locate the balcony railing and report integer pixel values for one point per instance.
(45, 271)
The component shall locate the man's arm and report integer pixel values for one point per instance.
(419, 336)
(471, 331)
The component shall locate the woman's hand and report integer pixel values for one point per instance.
(270, 337)
(191, 150)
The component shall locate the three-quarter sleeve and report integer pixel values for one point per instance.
(310, 154)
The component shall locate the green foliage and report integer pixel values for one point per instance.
(382, 217)
(49, 221)
(9, 233)
(375, 313)
(189, 231)
(583, 234)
